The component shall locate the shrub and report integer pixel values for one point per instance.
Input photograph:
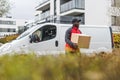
(102, 66)
(8, 38)
(116, 39)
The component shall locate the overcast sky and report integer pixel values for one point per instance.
(23, 9)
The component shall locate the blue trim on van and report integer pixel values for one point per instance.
(111, 37)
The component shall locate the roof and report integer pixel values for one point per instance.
(80, 25)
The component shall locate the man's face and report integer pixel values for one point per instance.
(76, 24)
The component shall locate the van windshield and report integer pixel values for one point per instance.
(26, 33)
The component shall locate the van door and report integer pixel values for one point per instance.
(47, 39)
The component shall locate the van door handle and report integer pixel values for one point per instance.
(56, 43)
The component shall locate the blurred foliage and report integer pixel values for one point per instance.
(5, 6)
(116, 39)
(8, 38)
(102, 66)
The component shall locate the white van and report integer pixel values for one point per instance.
(51, 39)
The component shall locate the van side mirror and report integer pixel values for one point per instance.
(34, 38)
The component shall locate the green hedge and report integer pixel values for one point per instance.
(8, 38)
(63, 67)
(116, 39)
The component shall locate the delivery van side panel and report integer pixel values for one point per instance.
(100, 36)
(62, 31)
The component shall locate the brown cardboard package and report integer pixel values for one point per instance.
(82, 40)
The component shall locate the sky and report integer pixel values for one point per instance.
(23, 9)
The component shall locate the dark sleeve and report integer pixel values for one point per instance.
(67, 38)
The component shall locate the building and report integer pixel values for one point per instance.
(115, 15)
(9, 26)
(91, 12)
(60, 9)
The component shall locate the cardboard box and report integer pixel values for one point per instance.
(82, 40)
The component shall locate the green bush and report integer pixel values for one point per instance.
(102, 66)
(8, 38)
(116, 39)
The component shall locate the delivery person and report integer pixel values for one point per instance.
(70, 47)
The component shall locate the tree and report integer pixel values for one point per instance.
(4, 7)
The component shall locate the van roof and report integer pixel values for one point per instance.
(80, 25)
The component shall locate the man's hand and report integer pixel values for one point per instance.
(75, 45)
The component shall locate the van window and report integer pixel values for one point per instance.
(49, 32)
(38, 35)
(45, 33)
(26, 33)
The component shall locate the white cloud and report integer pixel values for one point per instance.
(23, 9)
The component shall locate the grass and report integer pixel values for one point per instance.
(102, 66)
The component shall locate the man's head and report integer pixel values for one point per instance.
(76, 22)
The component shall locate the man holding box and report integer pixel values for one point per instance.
(71, 47)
